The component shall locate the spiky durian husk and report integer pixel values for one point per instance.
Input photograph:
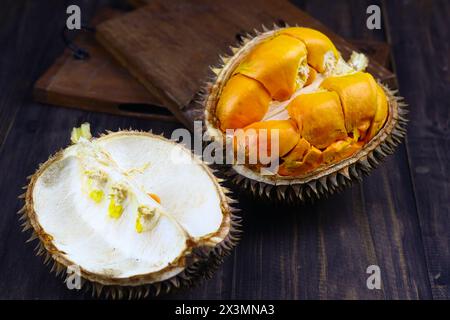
(316, 185)
(205, 260)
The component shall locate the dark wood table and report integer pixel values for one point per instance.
(397, 218)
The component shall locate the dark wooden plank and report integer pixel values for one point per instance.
(97, 83)
(100, 84)
(395, 229)
(277, 257)
(388, 214)
(420, 39)
(17, 20)
(173, 62)
(29, 39)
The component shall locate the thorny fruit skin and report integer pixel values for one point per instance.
(333, 108)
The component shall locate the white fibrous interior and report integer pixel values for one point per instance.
(278, 109)
(137, 235)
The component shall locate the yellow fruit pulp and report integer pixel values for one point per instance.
(330, 114)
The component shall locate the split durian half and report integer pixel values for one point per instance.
(334, 121)
(135, 212)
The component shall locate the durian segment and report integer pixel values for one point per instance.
(298, 153)
(302, 159)
(276, 63)
(320, 117)
(184, 188)
(146, 242)
(243, 101)
(260, 134)
(380, 114)
(358, 95)
(340, 150)
(322, 54)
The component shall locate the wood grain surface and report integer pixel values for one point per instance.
(99, 83)
(397, 218)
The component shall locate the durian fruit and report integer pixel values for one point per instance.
(335, 122)
(135, 212)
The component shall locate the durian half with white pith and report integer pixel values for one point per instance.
(334, 120)
(133, 210)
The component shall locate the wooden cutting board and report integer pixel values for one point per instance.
(168, 45)
(98, 83)
(101, 84)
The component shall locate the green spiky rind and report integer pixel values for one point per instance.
(317, 188)
(206, 260)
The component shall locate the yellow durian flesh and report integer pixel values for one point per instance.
(358, 95)
(320, 117)
(300, 160)
(275, 64)
(336, 106)
(318, 45)
(340, 150)
(242, 102)
(287, 134)
(381, 113)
